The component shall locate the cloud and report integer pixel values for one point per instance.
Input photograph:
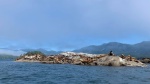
(69, 24)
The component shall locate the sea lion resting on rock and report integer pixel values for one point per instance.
(111, 53)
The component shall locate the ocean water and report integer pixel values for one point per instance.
(37, 73)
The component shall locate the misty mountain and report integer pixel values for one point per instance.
(7, 51)
(7, 57)
(46, 52)
(138, 50)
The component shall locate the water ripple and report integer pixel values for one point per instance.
(36, 73)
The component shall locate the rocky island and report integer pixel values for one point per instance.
(145, 60)
(81, 59)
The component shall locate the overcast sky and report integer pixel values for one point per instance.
(71, 24)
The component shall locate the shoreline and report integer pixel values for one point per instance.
(82, 59)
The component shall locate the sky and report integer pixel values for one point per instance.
(72, 24)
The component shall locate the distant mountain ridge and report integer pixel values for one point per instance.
(138, 50)
(46, 52)
(11, 52)
(6, 51)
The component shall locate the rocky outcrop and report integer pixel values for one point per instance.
(32, 58)
(35, 56)
(83, 59)
(132, 61)
(145, 60)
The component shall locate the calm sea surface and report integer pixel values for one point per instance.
(36, 73)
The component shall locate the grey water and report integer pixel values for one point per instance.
(37, 73)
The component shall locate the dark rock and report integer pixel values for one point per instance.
(145, 60)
